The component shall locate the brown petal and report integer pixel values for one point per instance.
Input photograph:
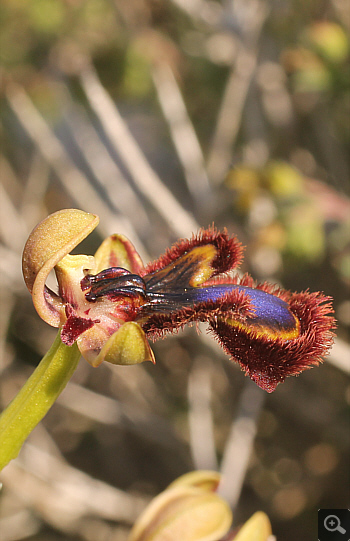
(117, 251)
(222, 255)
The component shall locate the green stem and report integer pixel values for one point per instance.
(36, 397)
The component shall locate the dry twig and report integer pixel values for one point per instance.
(239, 446)
(63, 495)
(200, 417)
(148, 182)
(182, 132)
(73, 180)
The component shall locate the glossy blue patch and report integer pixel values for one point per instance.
(270, 310)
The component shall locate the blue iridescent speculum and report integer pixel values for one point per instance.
(272, 315)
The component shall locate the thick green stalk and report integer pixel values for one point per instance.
(36, 397)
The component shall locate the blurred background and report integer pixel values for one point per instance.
(162, 117)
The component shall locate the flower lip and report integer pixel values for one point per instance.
(265, 306)
(269, 315)
(269, 360)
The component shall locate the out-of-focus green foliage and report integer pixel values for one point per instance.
(318, 66)
(296, 224)
(30, 28)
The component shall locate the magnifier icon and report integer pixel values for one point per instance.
(332, 524)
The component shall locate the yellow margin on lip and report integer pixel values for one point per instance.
(260, 331)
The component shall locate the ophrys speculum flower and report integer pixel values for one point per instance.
(110, 304)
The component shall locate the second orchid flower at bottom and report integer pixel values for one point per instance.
(111, 304)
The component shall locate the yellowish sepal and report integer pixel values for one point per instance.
(204, 479)
(127, 346)
(49, 242)
(257, 528)
(183, 513)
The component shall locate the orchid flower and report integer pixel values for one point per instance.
(111, 304)
(191, 509)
